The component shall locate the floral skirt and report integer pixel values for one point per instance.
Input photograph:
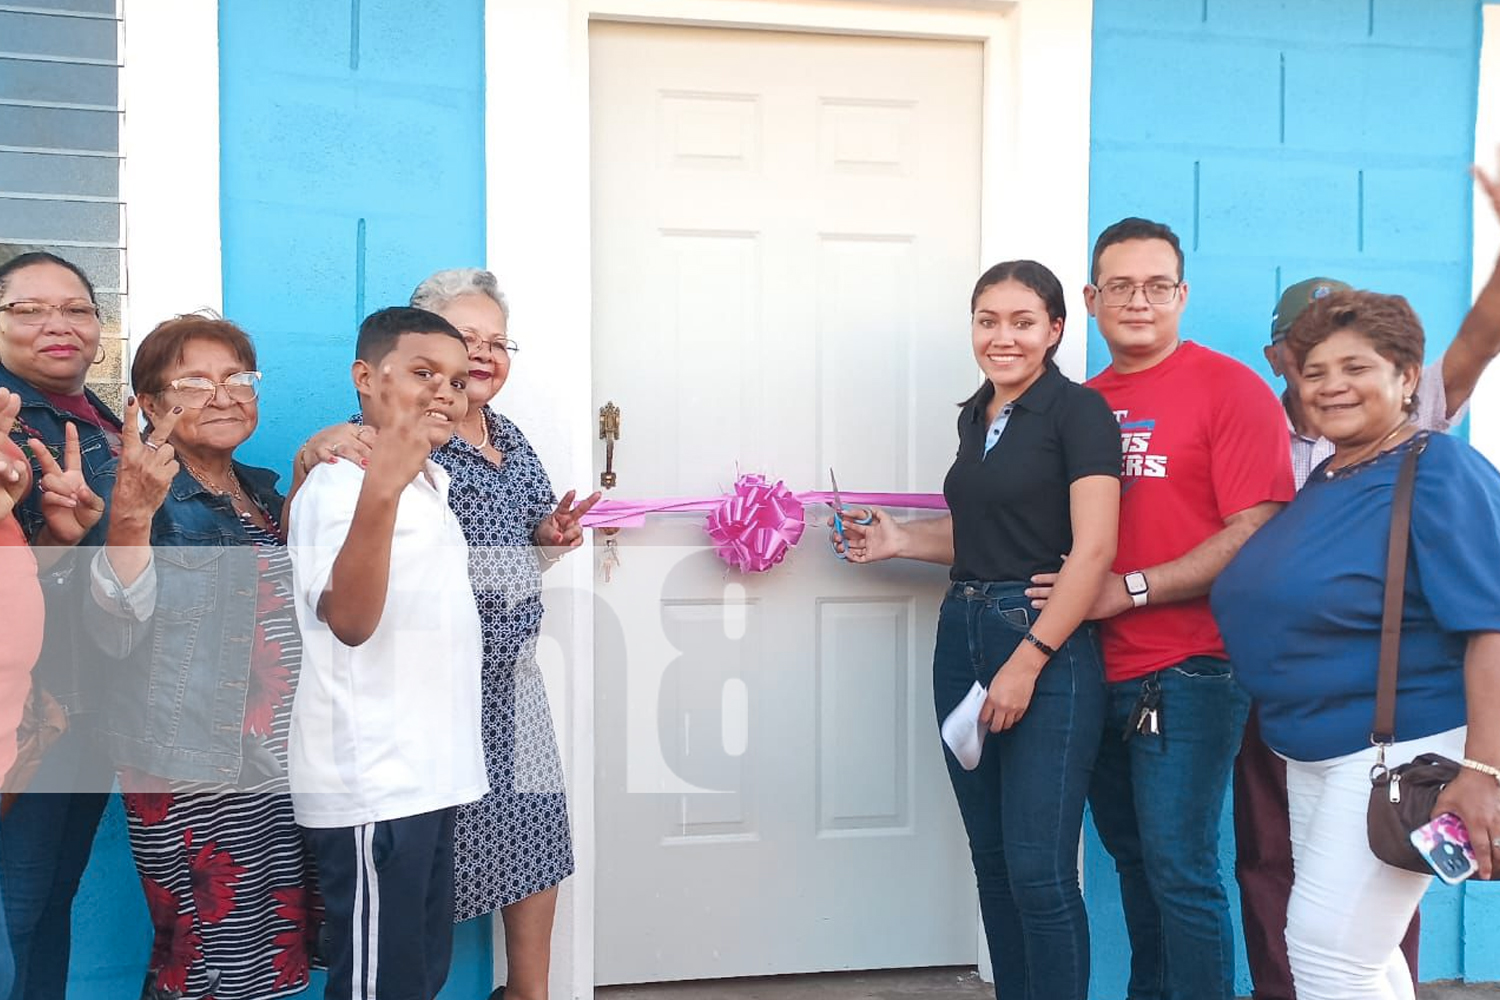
(229, 886)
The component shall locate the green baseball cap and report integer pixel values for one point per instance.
(1297, 298)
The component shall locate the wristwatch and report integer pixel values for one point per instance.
(1137, 587)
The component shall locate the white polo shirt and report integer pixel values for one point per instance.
(389, 728)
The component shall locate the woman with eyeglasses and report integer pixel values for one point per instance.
(50, 337)
(192, 597)
(512, 847)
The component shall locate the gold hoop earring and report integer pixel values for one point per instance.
(99, 356)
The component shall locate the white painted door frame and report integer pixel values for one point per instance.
(1484, 427)
(170, 175)
(1034, 195)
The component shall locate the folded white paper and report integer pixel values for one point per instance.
(961, 729)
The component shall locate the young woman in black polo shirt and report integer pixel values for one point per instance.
(1036, 477)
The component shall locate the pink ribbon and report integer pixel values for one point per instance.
(756, 523)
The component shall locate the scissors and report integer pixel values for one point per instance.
(838, 514)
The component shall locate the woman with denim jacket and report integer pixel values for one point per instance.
(192, 594)
(1035, 481)
(50, 336)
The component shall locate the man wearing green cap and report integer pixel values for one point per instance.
(1442, 393)
(1262, 828)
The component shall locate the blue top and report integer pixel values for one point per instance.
(1300, 604)
(185, 629)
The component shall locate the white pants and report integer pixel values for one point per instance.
(1349, 910)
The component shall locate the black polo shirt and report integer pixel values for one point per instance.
(1011, 511)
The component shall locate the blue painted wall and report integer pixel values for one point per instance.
(353, 167)
(1283, 139)
(1287, 138)
(352, 137)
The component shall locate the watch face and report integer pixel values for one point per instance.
(1135, 583)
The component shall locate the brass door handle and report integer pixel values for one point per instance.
(609, 433)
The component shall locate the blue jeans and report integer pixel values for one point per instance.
(1157, 801)
(45, 842)
(1023, 805)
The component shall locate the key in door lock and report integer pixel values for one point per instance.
(609, 433)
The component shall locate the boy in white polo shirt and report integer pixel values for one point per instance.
(385, 737)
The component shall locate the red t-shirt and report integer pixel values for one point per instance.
(21, 597)
(1203, 437)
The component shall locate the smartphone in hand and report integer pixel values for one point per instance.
(1444, 844)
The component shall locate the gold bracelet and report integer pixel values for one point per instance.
(1474, 765)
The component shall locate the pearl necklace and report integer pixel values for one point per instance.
(484, 433)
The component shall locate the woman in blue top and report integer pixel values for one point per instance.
(1036, 478)
(1300, 610)
(50, 337)
(191, 600)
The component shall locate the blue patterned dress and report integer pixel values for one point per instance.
(514, 842)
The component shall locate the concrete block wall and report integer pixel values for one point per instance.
(1287, 138)
(1283, 139)
(353, 166)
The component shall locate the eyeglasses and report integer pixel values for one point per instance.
(497, 345)
(1122, 293)
(197, 392)
(29, 312)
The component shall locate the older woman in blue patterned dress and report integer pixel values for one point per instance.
(512, 847)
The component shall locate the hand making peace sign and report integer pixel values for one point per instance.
(147, 468)
(68, 505)
(403, 446)
(560, 531)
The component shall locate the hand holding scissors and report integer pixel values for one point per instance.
(847, 542)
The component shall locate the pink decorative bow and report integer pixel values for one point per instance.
(754, 526)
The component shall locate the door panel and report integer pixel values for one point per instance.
(785, 236)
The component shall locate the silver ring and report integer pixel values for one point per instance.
(151, 444)
(1495, 843)
(335, 449)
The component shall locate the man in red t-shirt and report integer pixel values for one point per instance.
(1205, 464)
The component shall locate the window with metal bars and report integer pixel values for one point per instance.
(60, 157)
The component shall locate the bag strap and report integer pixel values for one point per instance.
(1384, 731)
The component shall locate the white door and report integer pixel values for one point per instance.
(785, 237)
